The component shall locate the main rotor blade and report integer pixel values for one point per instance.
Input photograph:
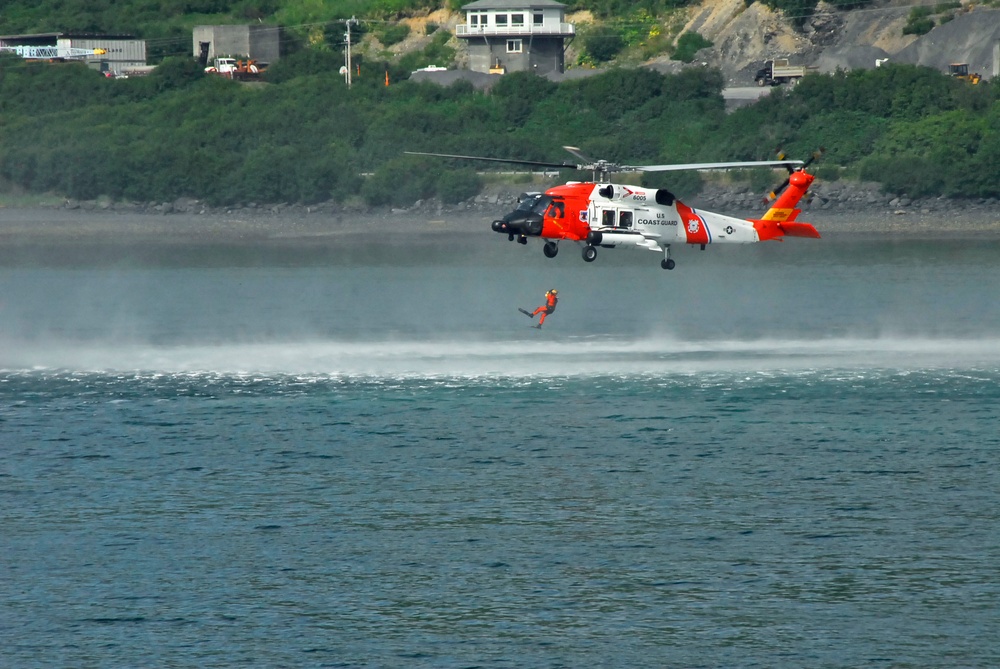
(575, 150)
(568, 166)
(710, 166)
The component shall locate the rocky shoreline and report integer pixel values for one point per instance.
(838, 206)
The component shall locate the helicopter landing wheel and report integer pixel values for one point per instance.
(589, 253)
(667, 262)
(550, 249)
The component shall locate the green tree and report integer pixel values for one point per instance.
(458, 185)
(603, 43)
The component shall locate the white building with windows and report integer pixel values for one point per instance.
(516, 35)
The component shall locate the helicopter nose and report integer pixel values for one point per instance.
(519, 225)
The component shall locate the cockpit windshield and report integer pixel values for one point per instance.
(533, 203)
(541, 204)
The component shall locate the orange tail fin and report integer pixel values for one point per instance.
(784, 207)
(778, 221)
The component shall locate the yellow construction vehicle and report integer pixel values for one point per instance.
(961, 71)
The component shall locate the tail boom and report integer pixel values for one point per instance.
(776, 229)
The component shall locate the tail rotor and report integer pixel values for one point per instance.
(773, 195)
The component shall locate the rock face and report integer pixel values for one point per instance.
(744, 37)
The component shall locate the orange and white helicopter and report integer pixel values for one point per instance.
(602, 214)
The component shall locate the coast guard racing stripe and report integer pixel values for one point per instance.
(694, 225)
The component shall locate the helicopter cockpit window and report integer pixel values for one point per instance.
(557, 210)
(608, 218)
(625, 219)
(535, 202)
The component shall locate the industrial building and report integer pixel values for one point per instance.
(256, 42)
(112, 54)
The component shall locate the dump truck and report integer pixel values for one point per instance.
(961, 71)
(778, 71)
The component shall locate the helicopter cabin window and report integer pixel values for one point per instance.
(517, 20)
(625, 219)
(513, 46)
(608, 218)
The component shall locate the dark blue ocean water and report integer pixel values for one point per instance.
(775, 456)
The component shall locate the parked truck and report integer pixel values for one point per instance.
(237, 68)
(778, 71)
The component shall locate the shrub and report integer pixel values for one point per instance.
(919, 21)
(918, 27)
(688, 44)
(603, 43)
(392, 33)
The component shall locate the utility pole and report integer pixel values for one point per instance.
(347, 53)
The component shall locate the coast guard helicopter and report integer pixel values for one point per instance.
(606, 215)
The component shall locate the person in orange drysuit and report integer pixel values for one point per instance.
(547, 308)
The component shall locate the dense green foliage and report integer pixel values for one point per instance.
(304, 137)
(166, 24)
(688, 45)
(603, 43)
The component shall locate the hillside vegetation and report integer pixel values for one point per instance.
(643, 28)
(306, 138)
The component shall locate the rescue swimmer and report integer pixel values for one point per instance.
(551, 299)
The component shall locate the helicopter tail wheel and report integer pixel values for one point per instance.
(589, 253)
(550, 249)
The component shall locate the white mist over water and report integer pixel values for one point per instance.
(565, 356)
(439, 313)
